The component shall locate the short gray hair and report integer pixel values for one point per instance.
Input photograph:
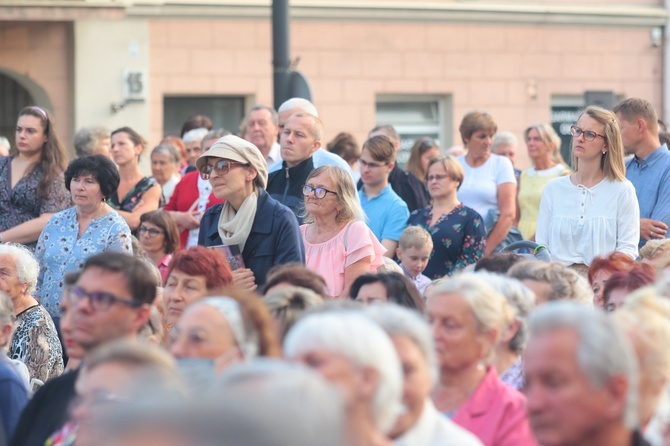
(170, 151)
(564, 283)
(300, 103)
(520, 299)
(488, 306)
(604, 350)
(215, 134)
(86, 139)
(399, 321)
(27, 268)
(195, 135)
(504, 138)
(273, 113)
(334, 332)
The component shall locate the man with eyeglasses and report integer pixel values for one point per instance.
(387, 213)
(648, 169)
(300, 138)
(408, 187)
(111, 300)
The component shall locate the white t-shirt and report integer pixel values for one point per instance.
(578, 223)
(479, 190)
(204, 189)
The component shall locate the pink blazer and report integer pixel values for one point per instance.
(496, 414)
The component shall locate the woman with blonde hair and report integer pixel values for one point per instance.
(338, 244)
(594, 210)
(544, 150)
(458, 232)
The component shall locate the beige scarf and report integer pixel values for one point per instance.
(235, 227)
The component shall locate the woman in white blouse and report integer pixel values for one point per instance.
(593, 211)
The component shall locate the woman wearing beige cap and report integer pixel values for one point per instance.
(266, 231)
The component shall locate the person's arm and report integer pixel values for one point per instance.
(390, 246)
(628, 222)
(517, 212)
(659, 220)
(26, 232)
(290, 247)
(506, 204)
(352, 272)
(186, 220)
(149, 202)
(120, 239)
(474, 242)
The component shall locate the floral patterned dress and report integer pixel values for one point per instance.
(134, 196)
(60, 249)
(22, 204)
(459, 239)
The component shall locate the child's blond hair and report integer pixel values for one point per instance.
(415, 237)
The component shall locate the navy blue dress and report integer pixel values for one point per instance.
(459, 239)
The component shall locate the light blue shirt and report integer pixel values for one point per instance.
(387, 213)
(60, 249)
(651, 178)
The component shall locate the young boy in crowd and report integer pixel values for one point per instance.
(414, 249)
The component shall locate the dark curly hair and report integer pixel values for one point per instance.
(99, 167)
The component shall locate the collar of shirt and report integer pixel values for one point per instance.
(650, 159)
(382, 193)
(274, 154)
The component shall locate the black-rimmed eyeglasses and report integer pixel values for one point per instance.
(319, 192)
(100, 301)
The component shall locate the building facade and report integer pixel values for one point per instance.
(418, 65)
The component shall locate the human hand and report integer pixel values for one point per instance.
(187, 220)
(652, 229)
(244, 278)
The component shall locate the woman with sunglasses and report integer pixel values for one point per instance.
(593, 211)
(90, 227)
(458, 232)
(265, 231)
(159, 239)
(423, 150)
(339, 246)
(31, 179)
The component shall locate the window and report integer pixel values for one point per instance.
(225, 111)
(414, 116)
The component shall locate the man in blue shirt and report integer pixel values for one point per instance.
(649, 169)
(387, 213)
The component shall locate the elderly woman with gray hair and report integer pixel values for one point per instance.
(367, 371)
(34, 340)
(265, 231)
(165, 161)
(420, 424)
(467, 317)
(227, 328)
(513, 339)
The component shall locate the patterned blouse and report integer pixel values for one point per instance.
(133, 197)
(60, 249)
(459, 239)
(22, 203)
(514, 376)
(35, 343)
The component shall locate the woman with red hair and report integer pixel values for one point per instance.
(622, 283)
(601, 269)
(191, 274)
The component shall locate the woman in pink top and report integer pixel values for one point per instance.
(467, 315)
(338, 245)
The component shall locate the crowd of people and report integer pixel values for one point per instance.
(267, 287)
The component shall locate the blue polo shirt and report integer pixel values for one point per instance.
(387, 213)
(651, 178)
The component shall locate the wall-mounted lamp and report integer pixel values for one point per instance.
(656, 34)
(531, 89)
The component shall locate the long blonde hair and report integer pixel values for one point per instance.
(550, 138)
(611, 162)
